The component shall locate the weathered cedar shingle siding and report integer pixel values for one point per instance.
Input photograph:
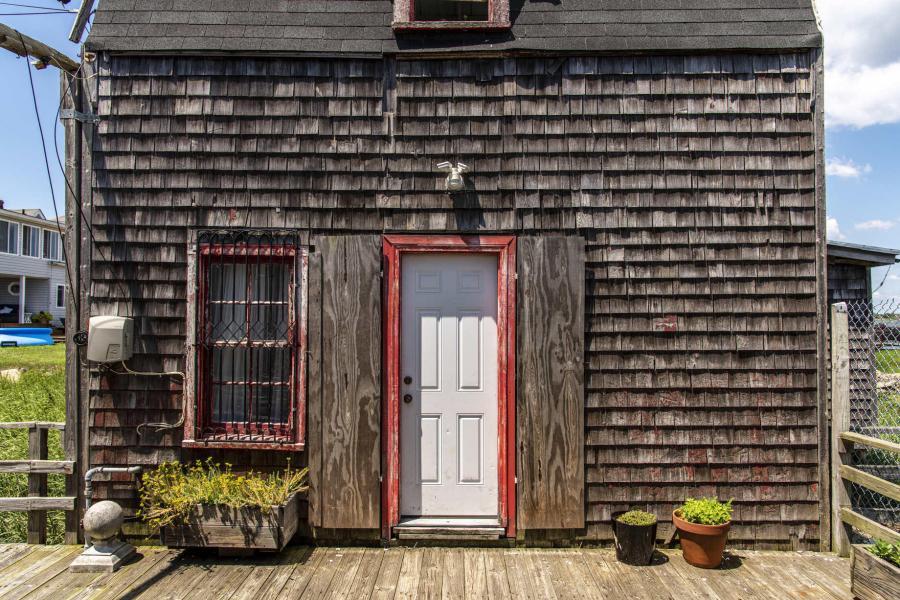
(364, 26)
(692, 180)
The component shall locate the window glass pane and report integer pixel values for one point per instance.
(4, 236)
(60, 295)
(229, 403)
(271, 282)
(31, 241)
(51, 245)
(227, 281)
(451, 10)
(13, 238)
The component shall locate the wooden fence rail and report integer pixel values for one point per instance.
(843, 473)
(37, 467)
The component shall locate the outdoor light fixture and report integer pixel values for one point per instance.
(455, 181)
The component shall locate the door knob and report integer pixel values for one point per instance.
(407, 398)
(407, 380)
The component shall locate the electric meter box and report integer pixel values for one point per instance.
(110, 339)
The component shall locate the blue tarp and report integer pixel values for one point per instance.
(25, 336)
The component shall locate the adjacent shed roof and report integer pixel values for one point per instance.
(364, 27)
(872, 256)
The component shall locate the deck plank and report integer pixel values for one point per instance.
(408, 580)
(40, 572)
(20, 571)
(316, 580)
(351, 559)
(388, 575)
(538, 579)
(475, 574)
(43, 576)
(495, 569)
(430, 579)
(453, 586)
(292, 576)
(113, 585)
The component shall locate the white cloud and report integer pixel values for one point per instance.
(862, 61)
(832, 231)
(878, 224)
(838, 167)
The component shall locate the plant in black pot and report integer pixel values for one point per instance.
(635, 532)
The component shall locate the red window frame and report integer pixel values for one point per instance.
(394, 247)
(200, 431)
(405, 18)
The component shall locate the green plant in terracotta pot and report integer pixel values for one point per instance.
(635, 532)
(703, 526)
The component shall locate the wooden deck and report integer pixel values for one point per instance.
(31, 572)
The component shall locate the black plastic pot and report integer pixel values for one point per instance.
(634, 543)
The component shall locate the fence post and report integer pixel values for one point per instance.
(840, 422)
(37, 485)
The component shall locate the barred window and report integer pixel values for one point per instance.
(250, 339)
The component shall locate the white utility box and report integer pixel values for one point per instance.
(110, 339)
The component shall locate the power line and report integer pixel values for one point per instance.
(77, 195)
(37, 117)
(28, 14)
(48, 8)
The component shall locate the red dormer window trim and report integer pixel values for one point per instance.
(405, 20)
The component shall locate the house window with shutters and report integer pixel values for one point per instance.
(250, 341)
(451, 14)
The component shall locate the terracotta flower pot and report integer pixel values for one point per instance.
(701, 545)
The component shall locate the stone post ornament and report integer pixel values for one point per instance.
(102, 522)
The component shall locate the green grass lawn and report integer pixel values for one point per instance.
(888, 361)
(38, 396)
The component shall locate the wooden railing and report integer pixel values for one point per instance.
(37, 467)
(843, 473)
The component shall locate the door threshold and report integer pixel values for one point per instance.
(449, 522)
(449, 529)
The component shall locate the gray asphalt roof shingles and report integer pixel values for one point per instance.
(364, 26)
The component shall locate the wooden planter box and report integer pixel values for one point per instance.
(220, 526)
(872, 578)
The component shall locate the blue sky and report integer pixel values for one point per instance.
(862, 109)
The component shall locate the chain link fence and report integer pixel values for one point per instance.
(874, 341)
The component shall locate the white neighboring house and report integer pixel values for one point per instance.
(32, 266)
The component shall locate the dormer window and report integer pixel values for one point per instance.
(451, 14)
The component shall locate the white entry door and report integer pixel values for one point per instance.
(448, 385)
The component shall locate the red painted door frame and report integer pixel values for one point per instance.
(394, 247)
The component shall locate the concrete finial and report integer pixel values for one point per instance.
(103, 520)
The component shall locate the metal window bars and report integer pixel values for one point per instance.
(874, 346)
(249, 340)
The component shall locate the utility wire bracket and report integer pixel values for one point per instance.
(71, 113)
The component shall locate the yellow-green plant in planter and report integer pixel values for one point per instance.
(703, 528)
(204, 504)
(635, 537)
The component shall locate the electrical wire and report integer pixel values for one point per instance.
(77, 196)
(49, 8)
(156, 427)
(37, 116)
(886, 273)
(30, 14)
